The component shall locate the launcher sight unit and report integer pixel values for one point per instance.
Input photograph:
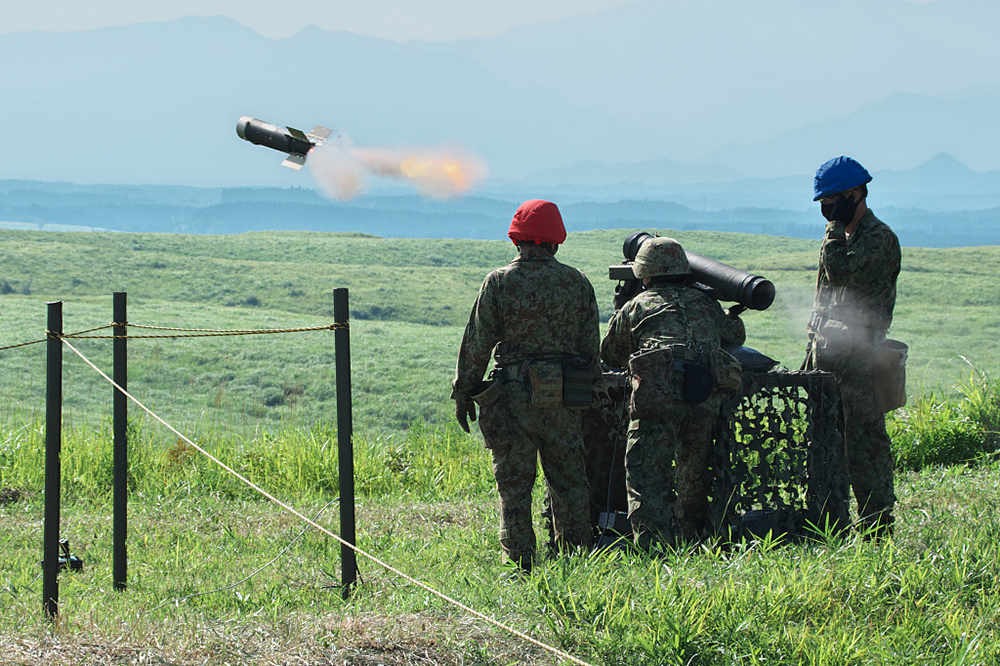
(720, 281)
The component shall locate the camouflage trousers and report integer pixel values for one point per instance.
(666, 468)
(868, 448)
(517, 436)
(866, 442)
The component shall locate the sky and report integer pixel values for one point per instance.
(396, 20)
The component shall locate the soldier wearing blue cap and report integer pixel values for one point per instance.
(855, 296)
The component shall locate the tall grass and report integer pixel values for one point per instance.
(425, 462)
(935, 430)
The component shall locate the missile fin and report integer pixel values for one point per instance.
(297, 133)
(319, 133)
(294, 161)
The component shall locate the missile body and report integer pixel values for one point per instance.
(284, 139)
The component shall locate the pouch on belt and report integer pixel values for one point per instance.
(488, 392)
(578, 382)
(651, 373)
(545, 384)
(890, 375)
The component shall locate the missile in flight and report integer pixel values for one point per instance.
(283, 139)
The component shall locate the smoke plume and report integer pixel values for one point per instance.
(342, 170)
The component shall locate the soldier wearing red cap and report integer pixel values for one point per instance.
(538, 319)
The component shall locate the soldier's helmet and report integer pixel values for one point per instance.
(660, 256)
(838, 175)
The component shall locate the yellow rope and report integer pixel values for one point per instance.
(205, 332)
(386, 566)
(23, 344)
(49, 334)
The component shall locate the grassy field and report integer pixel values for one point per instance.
(219, 576)
(409, 302)
(265, 405)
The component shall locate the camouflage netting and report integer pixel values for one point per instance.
(780, 462)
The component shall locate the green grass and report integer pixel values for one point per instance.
(929, 596)
(934, 430)
(266, 406)
(410, 299)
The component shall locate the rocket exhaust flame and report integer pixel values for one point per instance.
(341, 170)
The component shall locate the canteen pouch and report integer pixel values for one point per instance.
(578, 382)
(698, 382)
(651, 374)
(545, 384)
(890, 375)
(487, 393)
(727, 372)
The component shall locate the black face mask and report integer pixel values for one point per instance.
(842, 210)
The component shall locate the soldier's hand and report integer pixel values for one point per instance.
(465, 411)
(836, 229)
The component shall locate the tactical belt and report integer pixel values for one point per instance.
(517, 372)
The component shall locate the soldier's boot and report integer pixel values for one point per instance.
(877, 524)
(651, 536)
(520, 567)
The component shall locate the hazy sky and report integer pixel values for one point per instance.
(398, 20)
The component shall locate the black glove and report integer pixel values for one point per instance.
(625, 292)
(465, 411)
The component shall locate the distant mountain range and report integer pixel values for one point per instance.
(776, 207)
(941, 183)
(669, 92)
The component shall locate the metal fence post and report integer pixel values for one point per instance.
(120, 427)
(53, 467)
(345, 448)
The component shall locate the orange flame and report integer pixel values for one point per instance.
(436, 173)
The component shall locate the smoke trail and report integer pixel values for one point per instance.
(341, 170)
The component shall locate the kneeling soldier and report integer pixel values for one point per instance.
(669, 337)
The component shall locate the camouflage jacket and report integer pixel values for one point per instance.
(668, 315)
(856, 283)
(533, 307)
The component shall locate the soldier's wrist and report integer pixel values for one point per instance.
(836, 229)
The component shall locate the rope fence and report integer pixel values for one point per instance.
(65, 335)
(441, 595)
(184, 332)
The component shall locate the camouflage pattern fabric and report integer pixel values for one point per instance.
(666, 460)
(666, 471)
(517, 435)
(534, 309)
(855, 298)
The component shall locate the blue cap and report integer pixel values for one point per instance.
(839, 175)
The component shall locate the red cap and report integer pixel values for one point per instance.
(538, 221)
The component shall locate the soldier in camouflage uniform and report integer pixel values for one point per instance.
(855, 296)
(535, 316)
(667, 456)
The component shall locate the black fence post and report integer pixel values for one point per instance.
(345, 447)
(53, 467)
(120, 427)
